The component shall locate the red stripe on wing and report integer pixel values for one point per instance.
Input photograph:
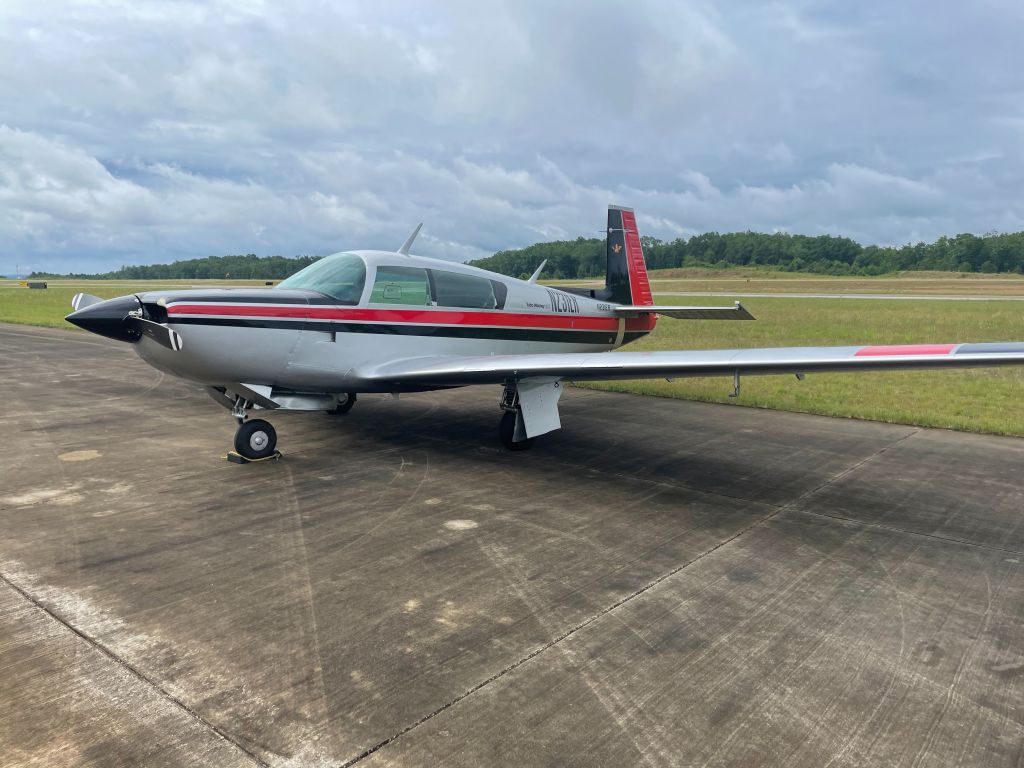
(906, 349)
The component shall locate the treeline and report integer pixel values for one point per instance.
(823, 254)
(584, 258)
(247, 267)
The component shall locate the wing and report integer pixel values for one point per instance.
(580, 366)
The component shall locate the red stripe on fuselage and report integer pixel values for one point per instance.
(413, 316)
(906, 349)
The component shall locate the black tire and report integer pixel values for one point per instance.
(256, 439)
(344, 406)
(507, 431)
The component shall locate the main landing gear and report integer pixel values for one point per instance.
(511, 420)
(345, 402)
(507, 432)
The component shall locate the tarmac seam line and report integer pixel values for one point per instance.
(867, 523)
(568, 633)
(135, 672)
(894, 529)
(619, 603)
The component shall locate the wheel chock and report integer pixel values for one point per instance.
(237, 458)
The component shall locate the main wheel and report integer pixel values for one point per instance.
(255, 439)
(507, 431)
(345, 403)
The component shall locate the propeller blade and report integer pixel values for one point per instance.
(83, 300)
(161, 334)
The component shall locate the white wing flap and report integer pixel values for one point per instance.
(736, 312)
(456, 371)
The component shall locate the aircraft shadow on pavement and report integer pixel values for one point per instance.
(606, 453)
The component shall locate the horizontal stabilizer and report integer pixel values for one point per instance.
(737, 312)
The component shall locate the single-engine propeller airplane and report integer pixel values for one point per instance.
(379, 321)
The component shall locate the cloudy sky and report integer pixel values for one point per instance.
(149, 131)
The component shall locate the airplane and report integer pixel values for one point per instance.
(391, 322)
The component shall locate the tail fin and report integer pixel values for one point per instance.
(626, 281)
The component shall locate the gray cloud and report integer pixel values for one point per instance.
(157, 130)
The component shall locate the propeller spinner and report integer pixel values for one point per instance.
(122, 318)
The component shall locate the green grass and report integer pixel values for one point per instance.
(763, 280)
(976, 400)
(48, 307)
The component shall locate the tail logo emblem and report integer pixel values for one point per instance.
(617, 247)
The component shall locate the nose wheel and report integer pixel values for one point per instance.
(256, 439)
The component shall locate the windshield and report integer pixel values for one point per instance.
(341, 276)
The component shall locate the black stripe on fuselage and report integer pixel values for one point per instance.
(442, 331)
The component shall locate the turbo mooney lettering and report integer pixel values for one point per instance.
(383, 321)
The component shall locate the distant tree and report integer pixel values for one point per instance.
(825, 254)
(585, 257)
(247, 267)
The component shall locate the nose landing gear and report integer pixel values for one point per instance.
(255, 439)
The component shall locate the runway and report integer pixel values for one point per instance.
(660, 583)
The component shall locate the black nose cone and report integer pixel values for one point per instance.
(109, 318)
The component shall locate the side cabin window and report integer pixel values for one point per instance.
(454, 289)
(401, 285)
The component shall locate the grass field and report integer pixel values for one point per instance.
(752, 280)
(979, 400)
(48, 307)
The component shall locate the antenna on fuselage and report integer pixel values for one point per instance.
(536, 272)
(404, 250)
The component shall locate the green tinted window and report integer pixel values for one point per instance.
(341, 277)
(458, 290)
(401, 285)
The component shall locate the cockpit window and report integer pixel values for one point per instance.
(341, 276)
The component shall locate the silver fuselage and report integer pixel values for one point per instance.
(303, 341)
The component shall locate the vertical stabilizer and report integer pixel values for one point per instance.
(626, 281)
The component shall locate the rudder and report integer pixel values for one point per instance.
(626, 281)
